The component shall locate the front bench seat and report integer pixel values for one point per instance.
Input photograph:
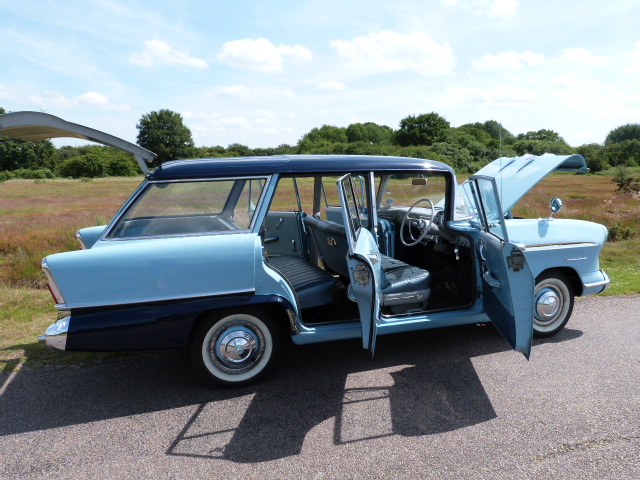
(401, 283)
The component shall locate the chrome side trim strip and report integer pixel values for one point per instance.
(557, 246)
(69, 306)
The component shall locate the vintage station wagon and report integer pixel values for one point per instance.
(230, 256)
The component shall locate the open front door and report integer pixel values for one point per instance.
(507, 281)
(363, 260)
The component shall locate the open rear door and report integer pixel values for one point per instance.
(363, 259)
(507, 281)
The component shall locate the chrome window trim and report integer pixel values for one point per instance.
(71, 306)
(180, 235)
(146, 185)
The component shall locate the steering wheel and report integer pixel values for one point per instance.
(423, 225)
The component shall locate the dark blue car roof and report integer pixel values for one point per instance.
(290, 164)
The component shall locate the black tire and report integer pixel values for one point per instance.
(233, 349)
(553, 303)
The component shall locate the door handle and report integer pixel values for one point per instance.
(490, 279)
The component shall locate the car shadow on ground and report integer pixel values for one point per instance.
(425, 383)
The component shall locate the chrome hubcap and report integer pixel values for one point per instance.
(237, 347)
(548, 305)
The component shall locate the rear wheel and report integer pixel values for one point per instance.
(234, 349)
(553, 304)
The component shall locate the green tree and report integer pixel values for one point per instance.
(630, 131)
(321, 139)
(424, 129)
(164, 133)
(542, 135)
(596, 156)
(16, 154)
(498, 132)
(369, 132)
(626, 152)
(540, 147)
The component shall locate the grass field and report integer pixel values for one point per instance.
(38, 218)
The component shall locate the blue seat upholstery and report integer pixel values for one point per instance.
(312, 285)
(402, 284)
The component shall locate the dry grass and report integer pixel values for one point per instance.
(40, 218)
(584, 197)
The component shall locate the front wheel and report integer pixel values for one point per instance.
(553, 304)
(234, 349)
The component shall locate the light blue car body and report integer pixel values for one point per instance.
(152, 291)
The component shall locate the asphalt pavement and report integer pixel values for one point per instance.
(447, 403)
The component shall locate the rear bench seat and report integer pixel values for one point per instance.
(313, 285)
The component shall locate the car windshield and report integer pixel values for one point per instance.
(187, 208)
(404, 190)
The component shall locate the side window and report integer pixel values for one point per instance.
(489, 211)
(191, 208)
(330, 208)
(247, 202)
(292, 195)
(330, 202)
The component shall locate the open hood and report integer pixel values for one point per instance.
(34, 126)
(516, 176)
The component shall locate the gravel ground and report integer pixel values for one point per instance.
(447, 403)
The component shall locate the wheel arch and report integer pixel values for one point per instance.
(569, 273)
(275, 306)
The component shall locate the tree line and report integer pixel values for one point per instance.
(465, 148)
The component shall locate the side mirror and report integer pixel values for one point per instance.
(555, 206)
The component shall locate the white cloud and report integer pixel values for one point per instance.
(508, 61)
(576, 82)
(389, 51)
(239, 92)
(634, 55)
(582, 56)
(332, 85)
(8, 93)
(48, 100)
(502, 8)
(491, 8)
(94, 99)
(261, 55)
(157, 52)
(501, 95)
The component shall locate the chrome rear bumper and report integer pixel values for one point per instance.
(56, 334)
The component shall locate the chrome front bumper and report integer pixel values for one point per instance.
(598, 283)
(56, 334)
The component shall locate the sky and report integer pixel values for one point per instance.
(264, 73)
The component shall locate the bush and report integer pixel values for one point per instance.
(89, 166)
(618, 232)
(626, 182)
(27, 173)
(4, 176)
(122, 167)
